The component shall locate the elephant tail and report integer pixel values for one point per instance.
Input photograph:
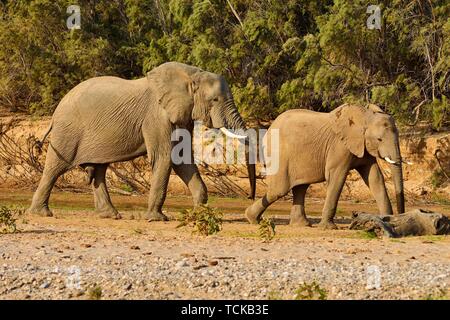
(40, 143)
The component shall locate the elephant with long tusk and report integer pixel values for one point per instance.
(316, 147)
(108, 119)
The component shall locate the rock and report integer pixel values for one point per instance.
(128, 286)
(213, 262)
(182, 263)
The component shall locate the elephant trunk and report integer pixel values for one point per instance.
(397, 177)
(235, 122)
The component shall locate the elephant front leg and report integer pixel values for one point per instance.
(373, 178)
(159, 181)
(254, 212)
(298, 214)
(191, 177)
(335, 184)
(102, 200)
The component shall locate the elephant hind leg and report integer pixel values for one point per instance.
(55, 166)
(102, 200)
(298, 215)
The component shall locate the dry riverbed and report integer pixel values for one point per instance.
(76, 255)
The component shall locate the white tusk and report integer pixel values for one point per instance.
(231, 134)
(389, 160)
(407, 162)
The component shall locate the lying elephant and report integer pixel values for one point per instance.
(108, 119)
(316, 147)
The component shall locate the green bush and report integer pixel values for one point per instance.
(8, 218)
(266, 229)
(203, 219)
(310, 291)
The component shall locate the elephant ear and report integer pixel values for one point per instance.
(349, 124)
(374, 108)
(174, 89)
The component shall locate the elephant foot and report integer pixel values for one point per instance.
(327, 225)
(300, 222)
(43, 211)
(251, 216)
(156, 216)
(109, 214)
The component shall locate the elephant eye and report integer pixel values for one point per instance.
(379, 139)
(216, 99)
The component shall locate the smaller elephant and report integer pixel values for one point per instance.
(316, 147)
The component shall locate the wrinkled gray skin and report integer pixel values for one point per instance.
(317, 147)
(108, 119)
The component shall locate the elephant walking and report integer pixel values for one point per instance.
(316, 147)
(108, 119)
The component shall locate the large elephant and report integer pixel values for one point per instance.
(109, 119)
(316, 147)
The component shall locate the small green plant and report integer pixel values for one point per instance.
(8, 218)
(442, 295)
(437, 179)
(127, 188)
(274, 295)
(368, 235)
(95, 292)
(267, 229)
(437, 198)
(203, 219)
(310, 291)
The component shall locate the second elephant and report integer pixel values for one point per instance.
(316, 147)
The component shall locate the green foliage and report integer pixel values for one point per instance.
(8, 218)
(310, 291)
(266, 229)
(203, 219)
(438, 178)
(369, 235)
(276, 55)
(442, 295)
(274, 295)
(95, 292)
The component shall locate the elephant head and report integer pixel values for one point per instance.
(188, 94)
(373, 131)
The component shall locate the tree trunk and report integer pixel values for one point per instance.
(413, 223)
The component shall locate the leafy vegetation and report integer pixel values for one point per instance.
(266, 229)
(8, 218)
(95, 292)
(203, 219)
(368, 235)
(277, 55)
(442, 295)
(310, 291)
(438, 178)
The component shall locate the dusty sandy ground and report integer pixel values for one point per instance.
(65, 256)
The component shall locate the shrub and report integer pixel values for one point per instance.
(8, 218)
(267, 229)
(203, 219)
(310, 291)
